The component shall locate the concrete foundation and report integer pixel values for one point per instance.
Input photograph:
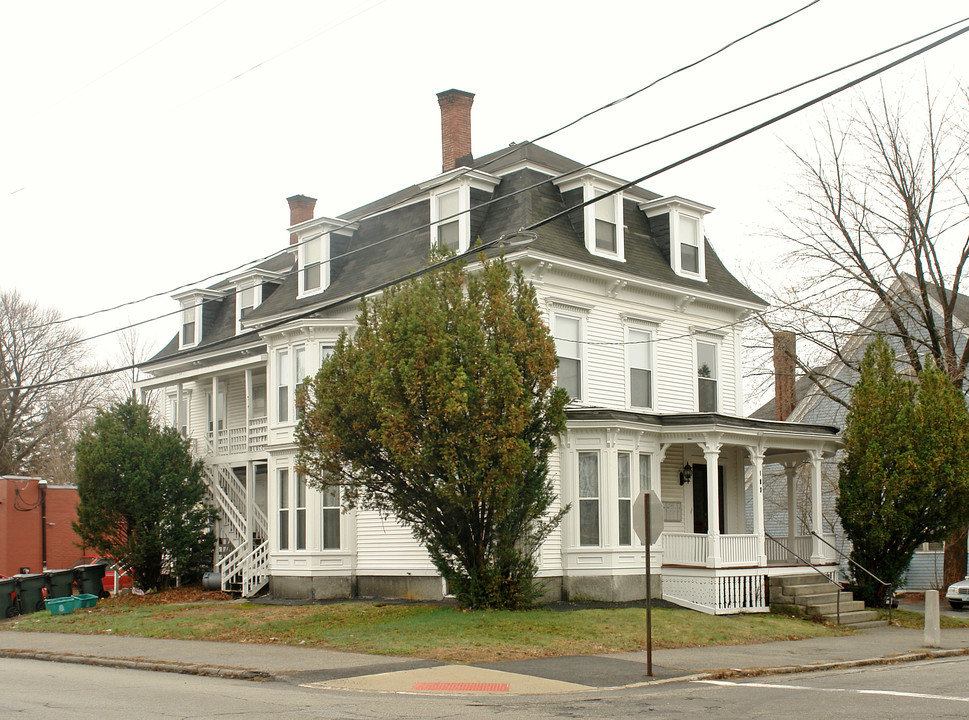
(294, 587)
(610, 588)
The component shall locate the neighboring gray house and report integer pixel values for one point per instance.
(800, 400)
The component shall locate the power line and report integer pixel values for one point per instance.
(490, 162)
(597, 198)
(530, 229)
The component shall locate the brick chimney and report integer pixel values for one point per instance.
(455, 128)
(785, 354)
(301, 209)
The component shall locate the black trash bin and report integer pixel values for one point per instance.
(30, 592)
(8, 607)
(60, 583)
(90, 579)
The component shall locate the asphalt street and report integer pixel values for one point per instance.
(35, 690)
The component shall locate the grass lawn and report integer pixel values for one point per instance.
(909, 619)
(426, 631)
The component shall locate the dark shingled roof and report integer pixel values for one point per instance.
(363, 260)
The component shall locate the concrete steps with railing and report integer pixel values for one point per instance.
(818, 597)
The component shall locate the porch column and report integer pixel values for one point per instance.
(757, 494)
(817, 519)
(790, 471)
(177, 415)
(213, 414)
(711, 454)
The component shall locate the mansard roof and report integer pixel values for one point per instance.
(392, 238)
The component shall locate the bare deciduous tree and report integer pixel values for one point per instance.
(879, 222)
(39, 422)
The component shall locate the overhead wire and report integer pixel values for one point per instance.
(396, 236)
(531, 228)
(489, 162)
(544, 181)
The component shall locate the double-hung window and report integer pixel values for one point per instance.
(283, 476)
(449, 229)
(689, 236)
(588, 498)
(706, 376)
(639, 359)
(568, 336)
(624, 464)
(311, 269)
(189, 323)
(299, 372)
(300, 512)
(606, 227)
(282, 386)
(331, 517)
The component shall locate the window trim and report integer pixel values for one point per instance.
(463, 218)
(283, 517)
(673, 207)
(323, 262)
(281, 381)
(580, 317)
(650, 329)
(256, 288)
(597, 499)
(324, 523)
(590, 192)
(718, 359)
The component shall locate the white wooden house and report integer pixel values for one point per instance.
(646, 320)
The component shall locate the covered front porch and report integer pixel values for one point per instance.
(714, 553)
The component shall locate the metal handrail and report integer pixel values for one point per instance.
(889, 596)
(813, 567)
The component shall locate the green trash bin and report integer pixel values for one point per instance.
(90, 579)
(8, 607)
(30, 592)
(60, 583)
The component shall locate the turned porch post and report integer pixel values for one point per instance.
(817, 518)
(757, 493)
(790, 471)
(711, 454)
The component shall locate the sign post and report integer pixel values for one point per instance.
(648, 526)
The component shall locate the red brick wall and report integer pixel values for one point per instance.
(20, 530)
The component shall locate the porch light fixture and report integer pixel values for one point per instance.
(686, 474)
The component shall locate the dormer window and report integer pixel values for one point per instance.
(190, 318)
(313, 252)
(190, 321)
(451, 197)
(685, 222)
(249, 288)
(602, 221)
(449, 232)
(311, 266)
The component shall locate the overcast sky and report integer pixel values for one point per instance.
(148, 145)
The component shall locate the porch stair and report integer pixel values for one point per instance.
(817, 597)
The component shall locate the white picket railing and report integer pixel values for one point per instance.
(251, 437)
(738, 550)
(684, 548)
(777, 552)
(255, 570)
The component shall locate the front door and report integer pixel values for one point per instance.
(701, 514)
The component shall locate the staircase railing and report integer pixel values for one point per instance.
(231, 565)
(889, 595)
(815, 568)
(255, 571)
(230, 511)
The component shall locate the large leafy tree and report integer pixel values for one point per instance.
(442, 410)
(905, 473)
(142, 498)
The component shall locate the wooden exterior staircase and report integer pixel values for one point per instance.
(818, 597)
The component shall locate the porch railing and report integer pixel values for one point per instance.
(684, 549)
(738, 550)
(239, 440)
(780, 549)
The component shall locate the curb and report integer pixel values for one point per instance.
(152, 665)
(729, 673)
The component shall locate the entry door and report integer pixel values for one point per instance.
(701, 514)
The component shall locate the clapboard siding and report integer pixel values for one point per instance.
(386, 545)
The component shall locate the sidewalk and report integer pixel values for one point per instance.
(328, 669)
